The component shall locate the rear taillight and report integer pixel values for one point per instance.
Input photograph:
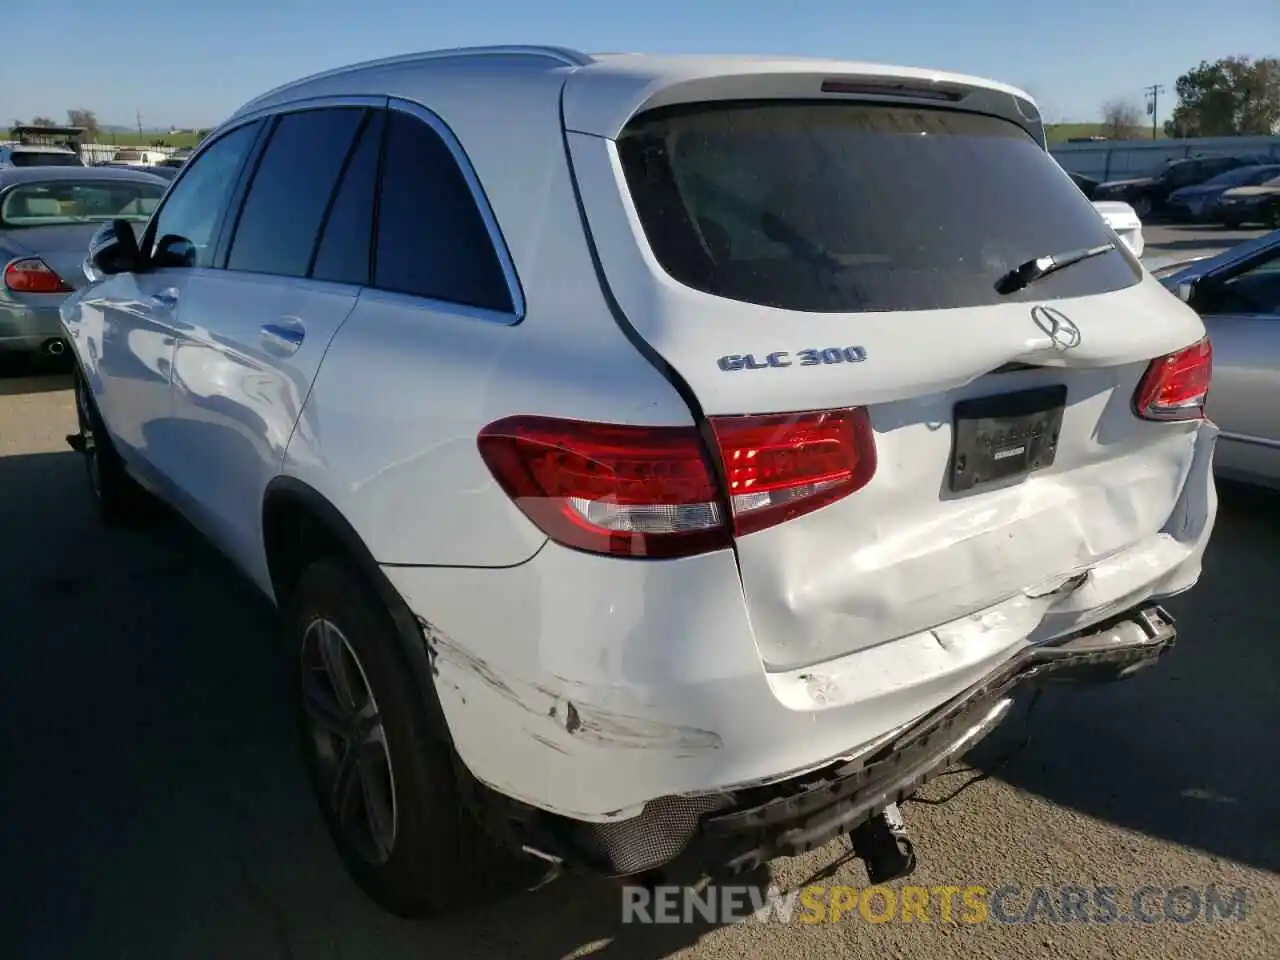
(653, 491)
(780, 467)
(33, 275)
(1175, 386)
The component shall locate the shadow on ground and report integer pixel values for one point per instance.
(22, 374)
(1187, 752)
(154, 803)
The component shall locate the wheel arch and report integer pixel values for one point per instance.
(299, 526)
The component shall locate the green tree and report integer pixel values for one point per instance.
(42, 122)
(1233, 96)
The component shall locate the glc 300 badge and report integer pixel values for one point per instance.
(784, 358)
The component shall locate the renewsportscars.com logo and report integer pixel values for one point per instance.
(970, 904)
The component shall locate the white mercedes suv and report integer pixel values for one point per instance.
(649, 456)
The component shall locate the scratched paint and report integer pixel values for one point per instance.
(565, 721)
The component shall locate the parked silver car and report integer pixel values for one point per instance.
(47, 216)
(1237, 293)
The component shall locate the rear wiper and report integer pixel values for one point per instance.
(1039, 268)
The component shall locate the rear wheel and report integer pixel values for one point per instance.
(118, 497)
(386, 783)
(1273, 216)
(1142, 206)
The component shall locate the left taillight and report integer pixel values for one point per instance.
(644, 491)
(1176, 386)
(33, 275)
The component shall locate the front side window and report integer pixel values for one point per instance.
(432, 240)
(75, 201)
(844, 207)
(292, 189)
(185, 229)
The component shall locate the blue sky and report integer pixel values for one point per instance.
(186, 63)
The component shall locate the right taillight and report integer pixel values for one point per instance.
(1175, 386)
(654, 491)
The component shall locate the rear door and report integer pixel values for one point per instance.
(787, 257)
(255, 331)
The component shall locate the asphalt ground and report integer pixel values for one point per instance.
(154, 804)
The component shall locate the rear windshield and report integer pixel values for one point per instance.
(842, 207)
(72, 201)
(42, 158)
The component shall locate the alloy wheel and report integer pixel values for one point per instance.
(348, 742)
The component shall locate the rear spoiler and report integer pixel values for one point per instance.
(603, 106)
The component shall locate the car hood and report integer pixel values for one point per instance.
(1258, 191)
(63, 247)
(1121, 184)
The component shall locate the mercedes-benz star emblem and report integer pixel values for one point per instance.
(1057, 326)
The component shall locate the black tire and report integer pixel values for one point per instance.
(434, 856)
(1143, 206)
(119, 499)
(1230, 224)
(1272, 217)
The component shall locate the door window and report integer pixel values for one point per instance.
(292, 190)
(432, 239)
(1256, 290)
(343, 255)
(185, 230)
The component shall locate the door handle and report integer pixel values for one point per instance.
(165, 299)
(286, 332)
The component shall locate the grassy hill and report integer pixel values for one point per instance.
(146, 139)
(1061, 132)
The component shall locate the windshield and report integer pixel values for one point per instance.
(72, 201)
(45, 158)
(842, 207)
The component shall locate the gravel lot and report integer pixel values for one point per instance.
(154, 804)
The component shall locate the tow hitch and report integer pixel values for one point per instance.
(883, 846)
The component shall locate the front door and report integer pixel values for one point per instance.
(1242, 313)
(134, 319)
(255, 331)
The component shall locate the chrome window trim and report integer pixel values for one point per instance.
(478, 197)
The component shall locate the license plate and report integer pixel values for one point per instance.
(1003, 436)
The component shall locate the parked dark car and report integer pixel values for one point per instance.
(1148, 195)
(1197, 203)
(1259, 203)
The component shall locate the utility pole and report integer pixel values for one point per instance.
(1153, 105)
(139, 123)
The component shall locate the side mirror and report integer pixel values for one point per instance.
(113, 249)
(1185, 290)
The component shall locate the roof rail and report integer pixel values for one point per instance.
(561, 55)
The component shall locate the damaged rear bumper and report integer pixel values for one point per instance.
(741, 829)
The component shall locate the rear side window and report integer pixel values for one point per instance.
(343, 256)
(287, 200)
(37, 158)
(843, 207)
(432, 239)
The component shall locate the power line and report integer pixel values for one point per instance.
(1153, 105)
